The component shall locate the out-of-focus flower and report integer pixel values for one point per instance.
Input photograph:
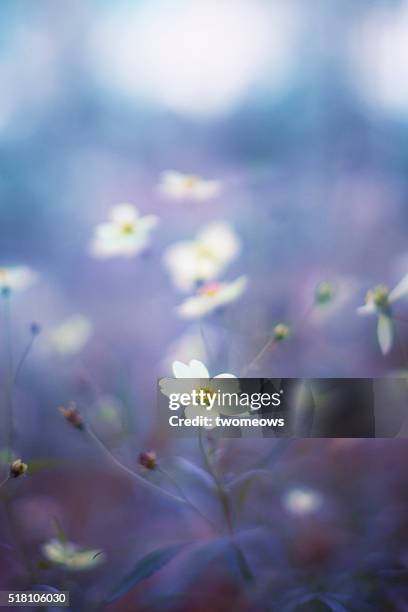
(124, 235)
(203, 259)
(16, 278)
(281, 332)
(379, 301)
(71, 556)
(302, 502)
(211, 296)
(70, 336)
(148, 459)
(18, 468)
(178, 186)
(72, 416)
(206, 386)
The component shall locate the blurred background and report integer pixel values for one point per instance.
(300, 113)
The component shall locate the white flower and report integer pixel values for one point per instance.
(202, 381)
(211, 296)
(302, 502)
(204, 258)
(71, 556)
(178, 186)
(70, 336)
(379, 301)
(16, 278)
(124, 235)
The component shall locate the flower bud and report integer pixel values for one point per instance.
(18, 468)
(280, 332)
(148, 459)
(35, 328)
(71, 414)
(324, 293)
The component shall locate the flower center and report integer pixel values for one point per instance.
(206, 393)
(127, 228)
(210, 290)
(379, 296)
(191, 181)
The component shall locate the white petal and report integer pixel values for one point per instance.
(195, 307)
(401, 290)
(124, 213)
(367, 309)
(225, 376)
(181, 370)
(221, 240)
(232, 291)
(198, 369)
(385, 333)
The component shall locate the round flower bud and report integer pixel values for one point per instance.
(281, 332)
(18, 468)
(72, 415)
(324, 293)
(148, 459)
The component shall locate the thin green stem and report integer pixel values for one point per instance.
(4, 482)
(269, 345)
(226, 507)
(23, 358)
(9, 376)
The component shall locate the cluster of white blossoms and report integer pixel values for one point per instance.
(194, 265)
(125, 234)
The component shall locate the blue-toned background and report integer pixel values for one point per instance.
(300, 110)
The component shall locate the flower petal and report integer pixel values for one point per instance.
(198, 369)
(181, 370)
(385, 333)
(401, 290)
(367, 309)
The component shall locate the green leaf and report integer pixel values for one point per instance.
(146, 567)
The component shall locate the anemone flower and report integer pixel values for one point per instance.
(202, 381)
(16, 278)
(204, 258)
(379, 302)
(177, 186)
(210, 297)
(124, 235)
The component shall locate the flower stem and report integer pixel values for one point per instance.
(142, 481)
(23, 358)
(185, 498)
(9, 376)
(226, 507)
(270, 344)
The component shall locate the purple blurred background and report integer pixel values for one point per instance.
(301, 113)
